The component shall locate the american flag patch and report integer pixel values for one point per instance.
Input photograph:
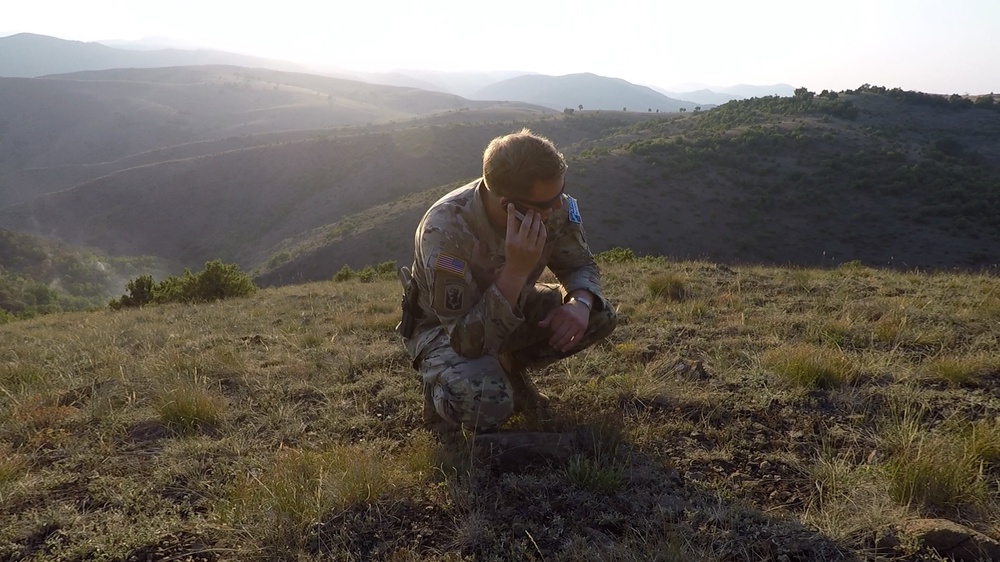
(451, 264)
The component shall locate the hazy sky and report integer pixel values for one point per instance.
(940, 46)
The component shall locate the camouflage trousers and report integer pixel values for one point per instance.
(477, 393)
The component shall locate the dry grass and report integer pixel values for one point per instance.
(768, 413)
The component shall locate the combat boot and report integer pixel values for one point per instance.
(527, 397)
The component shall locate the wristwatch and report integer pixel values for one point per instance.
(583, 301)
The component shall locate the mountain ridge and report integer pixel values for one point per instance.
(588, 90)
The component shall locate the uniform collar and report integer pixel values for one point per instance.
(487, 232)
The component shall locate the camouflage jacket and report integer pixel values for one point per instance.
(457, 256)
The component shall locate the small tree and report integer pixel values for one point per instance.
(580, 107)
(803, 94)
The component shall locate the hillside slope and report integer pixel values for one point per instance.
(89, 118)
(887, 182)
(236, 205)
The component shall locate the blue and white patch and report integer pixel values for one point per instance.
(574, 211)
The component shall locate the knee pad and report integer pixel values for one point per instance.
(476, 402)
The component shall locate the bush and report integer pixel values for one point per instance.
(616, 255)
(344, 274)
(217, 281)
(367, 274)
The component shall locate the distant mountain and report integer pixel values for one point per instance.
(151, 44)
(464, 84)
(589, 90)
(30, 55)
(744, 91)
(719, 96)
(704, 96)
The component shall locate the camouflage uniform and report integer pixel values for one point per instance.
(467, 324)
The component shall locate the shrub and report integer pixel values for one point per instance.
(220, 281)
(616, 255)
(217, 281)
(344, 274)
(367, 274)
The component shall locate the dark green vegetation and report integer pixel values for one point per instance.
(217, 281)
(39, 276)
(737, 414)
(947, 177)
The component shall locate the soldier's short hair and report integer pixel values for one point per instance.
(513, 163)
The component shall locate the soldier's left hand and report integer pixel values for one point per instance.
(568, 324)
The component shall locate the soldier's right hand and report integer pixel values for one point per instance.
(524, 241)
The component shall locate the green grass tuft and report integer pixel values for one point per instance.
(190, 408)
(667, 287)
(810, 365)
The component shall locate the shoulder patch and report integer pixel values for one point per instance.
(573, 210)
(450, 264)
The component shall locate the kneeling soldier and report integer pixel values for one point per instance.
(477, 318)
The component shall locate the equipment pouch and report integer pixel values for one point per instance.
(410, 308)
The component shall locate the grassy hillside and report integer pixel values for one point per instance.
(738, 413)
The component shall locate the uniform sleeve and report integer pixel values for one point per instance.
(476, 321)
(571, 261)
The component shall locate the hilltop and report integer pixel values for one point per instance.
(737, 413)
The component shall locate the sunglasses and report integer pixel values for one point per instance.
(523, 205)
